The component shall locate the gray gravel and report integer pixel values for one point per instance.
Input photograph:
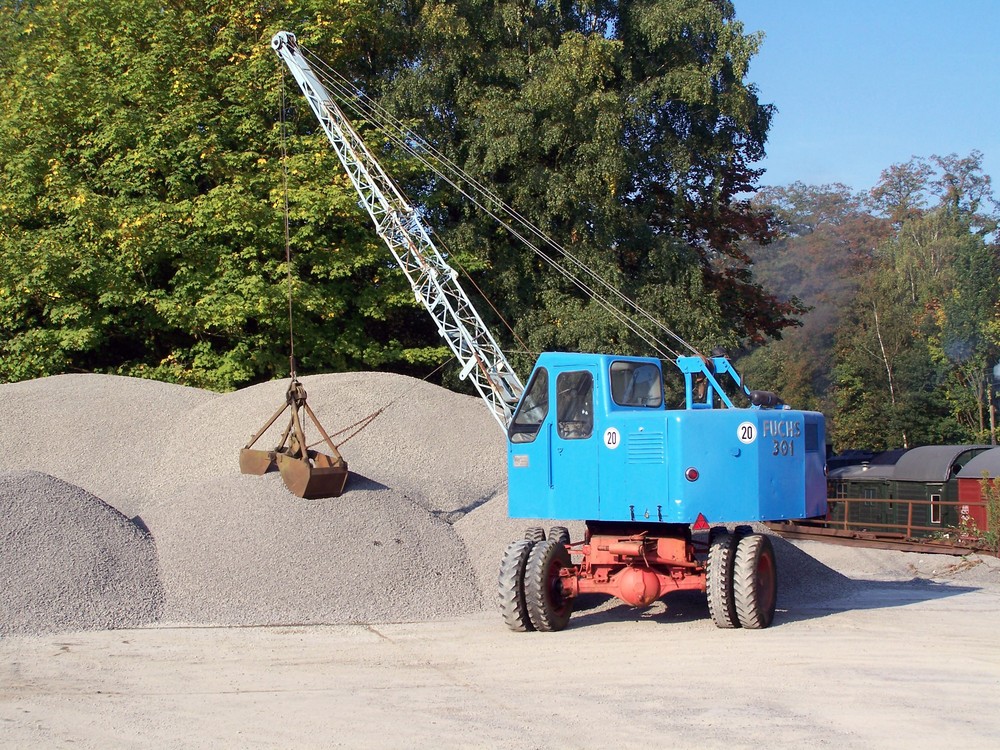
(417, 535)
(242, 550)
(69, 561)
(237, 549)
(440, 449)
(101, 432)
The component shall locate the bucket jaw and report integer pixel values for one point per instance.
(306, 473)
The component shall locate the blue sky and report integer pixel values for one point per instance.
(860, 86)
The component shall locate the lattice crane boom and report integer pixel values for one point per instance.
(434, 281)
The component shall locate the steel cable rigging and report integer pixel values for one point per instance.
(487, 201)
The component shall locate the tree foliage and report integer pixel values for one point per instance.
(143, 202)
(827, 240)
(625, 130)
(906, 286)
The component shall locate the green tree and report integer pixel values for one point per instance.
(625, 130)
(915, 354)
(876, 355)
(143, 199)
(143, 202)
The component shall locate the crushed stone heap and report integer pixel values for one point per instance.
(70, 561)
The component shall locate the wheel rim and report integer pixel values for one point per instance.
(767, 589)
(557, 599)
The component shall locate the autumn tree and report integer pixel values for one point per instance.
(827, 238)
(915, 354)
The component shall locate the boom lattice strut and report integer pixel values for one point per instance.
(434, 282)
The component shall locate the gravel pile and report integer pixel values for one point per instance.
(417, 535)
(237, 549)
(69, 561)
(440, 449)
(101, 432)
(242, 550)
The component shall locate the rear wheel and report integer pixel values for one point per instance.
(534, 534)
(721, 561)
(510, 585)
(560, 534)
(755, 581)
(548, 607)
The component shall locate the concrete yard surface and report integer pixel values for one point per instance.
(906, 664)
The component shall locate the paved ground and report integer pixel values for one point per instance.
(897, 664)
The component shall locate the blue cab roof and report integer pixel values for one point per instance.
(576, 359)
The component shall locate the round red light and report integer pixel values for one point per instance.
(691, 474)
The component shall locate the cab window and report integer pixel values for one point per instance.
(636, 384)
(532, 411)
(575, 405)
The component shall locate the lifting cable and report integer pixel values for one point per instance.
(288, 243)
(362, 423)
(401, 137)
(417, 147)
(508, 326)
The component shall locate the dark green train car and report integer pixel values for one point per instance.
(916, 496)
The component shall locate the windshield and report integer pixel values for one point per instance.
(533, 409)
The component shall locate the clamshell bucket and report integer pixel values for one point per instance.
(318, 475)
(253, 461)
(306, 473)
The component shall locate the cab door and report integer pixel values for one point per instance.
(575, 486)
(529, 451)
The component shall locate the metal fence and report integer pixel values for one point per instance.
(857, 516)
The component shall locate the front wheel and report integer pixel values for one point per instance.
(719, 584)
(755, 581)
(548, 607)
(510, 586)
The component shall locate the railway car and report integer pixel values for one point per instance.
(972, 501)
(915, 496)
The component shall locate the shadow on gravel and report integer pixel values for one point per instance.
(679, 607)
(807, 590)
(360, 482)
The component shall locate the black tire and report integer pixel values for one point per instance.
(743, 530)
(534, 534)
(548, 608)
(719, 584)
(755, 581)
(560, 534)
(510, 585)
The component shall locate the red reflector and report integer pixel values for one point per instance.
(691, 474)
(701, 523)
